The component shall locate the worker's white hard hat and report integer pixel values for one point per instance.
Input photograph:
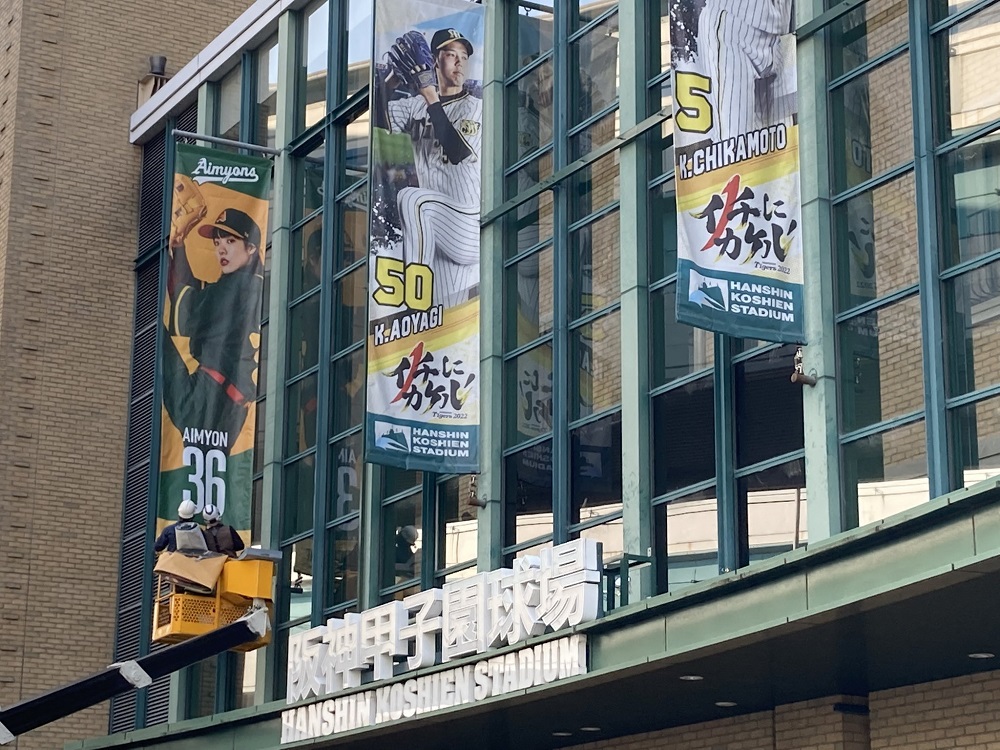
(211, 513)
(186, 510)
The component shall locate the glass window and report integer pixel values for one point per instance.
(663, 235)
(591, 9)
(301, 416)
(593, 62)
(968, 55)
(310, 181)
(529, 399)
(353, 244)
(611, 536)
(873, 122)
(355, 162)
(885, 474)
(350, 311)
(594, 187)
(307, 257)
(532, 100)
(877, 242)
(595, 135)
(530, 289)
(533, 27)
(688, 531)
(972, 308)
(595, 349)
(349, 378)
(596, 469)
(457, 522)
(970, 206)
(683, 436)
(256, 511)
(359, 44)
(262, 364)
(230, 103)
(267, 93)
(528, 494)
(303, 335)
(529, 225)
(396, 481)
(315, 54)
(529, 175)
(297, 503)
(663, 27)
(299, 562)
(596, 265)
(944, 8)
(676, 349)
(346, 475)
(775, 501)
(975, 438)
(866, 33)
(881, 368)
(260, 412)
(768, 407)
(342, 549)
(401, 540)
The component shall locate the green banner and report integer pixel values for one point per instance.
(211, 334)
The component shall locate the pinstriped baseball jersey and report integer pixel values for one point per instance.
(434, 172)
(769, 16)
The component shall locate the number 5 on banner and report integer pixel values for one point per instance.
(210, 488)
(400, 284)
(694, 110)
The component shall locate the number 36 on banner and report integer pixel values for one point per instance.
(403, 284)
(208, 469)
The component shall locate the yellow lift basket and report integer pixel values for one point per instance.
(245, 584)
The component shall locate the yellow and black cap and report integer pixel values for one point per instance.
(234, 222)
(444, 37)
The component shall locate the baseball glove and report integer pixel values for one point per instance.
(188, 209)
(411, 61)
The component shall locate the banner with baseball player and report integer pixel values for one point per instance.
(211, 337)
(736, 151)
(423, 313)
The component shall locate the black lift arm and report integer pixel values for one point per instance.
(119, 678)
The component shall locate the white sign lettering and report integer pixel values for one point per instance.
(557, 590)
(518, 670)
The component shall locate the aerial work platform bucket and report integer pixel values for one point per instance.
(243, 585)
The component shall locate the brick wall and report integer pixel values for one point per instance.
(811, 725)
(68, 191)
(960, 712)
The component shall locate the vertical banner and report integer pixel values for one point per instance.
(423, 312)
(739, 234)
(211, 338)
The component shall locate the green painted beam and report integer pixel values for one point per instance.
(819, 403)
(637, 523)
(490, 482)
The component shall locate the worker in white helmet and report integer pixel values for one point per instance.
(183, 536)
(220, 537)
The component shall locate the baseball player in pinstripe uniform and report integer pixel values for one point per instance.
(440, 218)
(739, 44)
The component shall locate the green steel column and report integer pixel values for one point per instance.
(490, 483)
(819, 403)
(731, 545)
(931, 308)
(371, 543)
(636, 513)
(277, 340)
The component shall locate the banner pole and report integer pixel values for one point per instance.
(225, 142)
